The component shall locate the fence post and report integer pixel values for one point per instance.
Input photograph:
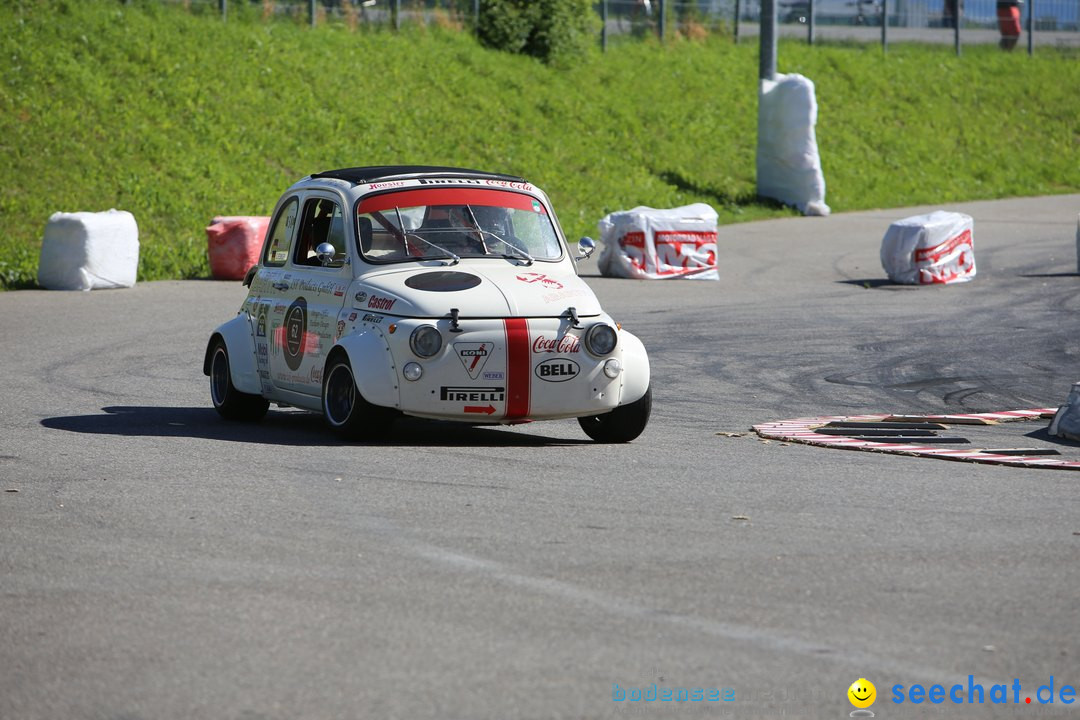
(1031, 27)
(884, 25)
(603, 30)
(476, 16)
(767, 59)
(311, 12)
(737, 12)
(223, 6)
(663, 19)
(396, 10)
(810, 23)
(956, 29)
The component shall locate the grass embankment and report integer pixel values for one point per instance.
(178, 117)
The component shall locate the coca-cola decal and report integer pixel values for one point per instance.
(558, 346)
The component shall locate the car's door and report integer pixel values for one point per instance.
(304, 305)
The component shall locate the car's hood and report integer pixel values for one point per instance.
(476, 290)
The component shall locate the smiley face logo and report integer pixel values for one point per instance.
(862, 693)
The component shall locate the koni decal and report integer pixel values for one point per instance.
(473, 356)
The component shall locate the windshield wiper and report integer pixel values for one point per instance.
(446, 254)
(517, 252)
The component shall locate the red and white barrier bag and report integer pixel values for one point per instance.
(934, 249)
(649, 244)
(233, 245)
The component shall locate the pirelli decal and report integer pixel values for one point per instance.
(518, 368)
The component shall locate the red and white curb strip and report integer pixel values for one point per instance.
(801, 430)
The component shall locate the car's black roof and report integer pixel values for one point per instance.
(362, 175)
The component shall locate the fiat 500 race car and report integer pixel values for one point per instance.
(434, 292)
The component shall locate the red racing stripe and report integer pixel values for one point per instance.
(518, 370)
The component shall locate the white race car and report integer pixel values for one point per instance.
(427, 291)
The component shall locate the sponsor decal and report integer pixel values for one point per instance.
(260, 326)
(473, 356)
(518, 366)
(262, 352)
(560, 346)
(315, 375)
(461, 181)
(541, 279)
(318, 288)
(381, 303)
(472, 394)
(295, 332)
(280, 256)
(384, 185)
(494, 375)
(369, 318)
(352, 317)
(279, 308)
(674, 252)
(361, 297)
(512, 185)
(557, 370)
(340, 328)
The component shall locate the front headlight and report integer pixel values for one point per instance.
(425, 341)
(601, 339)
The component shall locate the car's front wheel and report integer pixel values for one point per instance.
(622, 424)
(230, 403)
(345, 409)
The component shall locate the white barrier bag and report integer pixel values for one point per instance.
(649, 244)
(938, 248)
(788, 164)
(1066, 422)
(89, 251)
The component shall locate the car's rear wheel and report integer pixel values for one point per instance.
(230, 403)
(345, 409)
(622, 424)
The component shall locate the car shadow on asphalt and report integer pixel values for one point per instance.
(288, 427)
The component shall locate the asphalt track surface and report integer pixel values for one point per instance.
(157, 562)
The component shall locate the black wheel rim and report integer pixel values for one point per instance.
(219, 377)
(340, 395)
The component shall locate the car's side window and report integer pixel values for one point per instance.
(277, 250)
(322, 222)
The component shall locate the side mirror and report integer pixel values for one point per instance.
(586, 246)
(325, 252)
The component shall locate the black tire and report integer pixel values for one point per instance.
(230, 403)
(622, 424)
(345, 409)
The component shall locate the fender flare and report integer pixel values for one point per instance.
(636, 372)
(238, 342)
(373, 366)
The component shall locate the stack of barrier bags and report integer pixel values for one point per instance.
(233, 244)
(933, 249)
(650, 244)
(89, 251)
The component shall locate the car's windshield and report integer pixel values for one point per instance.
(454, 223)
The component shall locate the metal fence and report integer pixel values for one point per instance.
(1043, 22)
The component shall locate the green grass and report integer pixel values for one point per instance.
(178, 117)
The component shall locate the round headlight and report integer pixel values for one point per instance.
(425, 341)
(601, 339)
(412, 371)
